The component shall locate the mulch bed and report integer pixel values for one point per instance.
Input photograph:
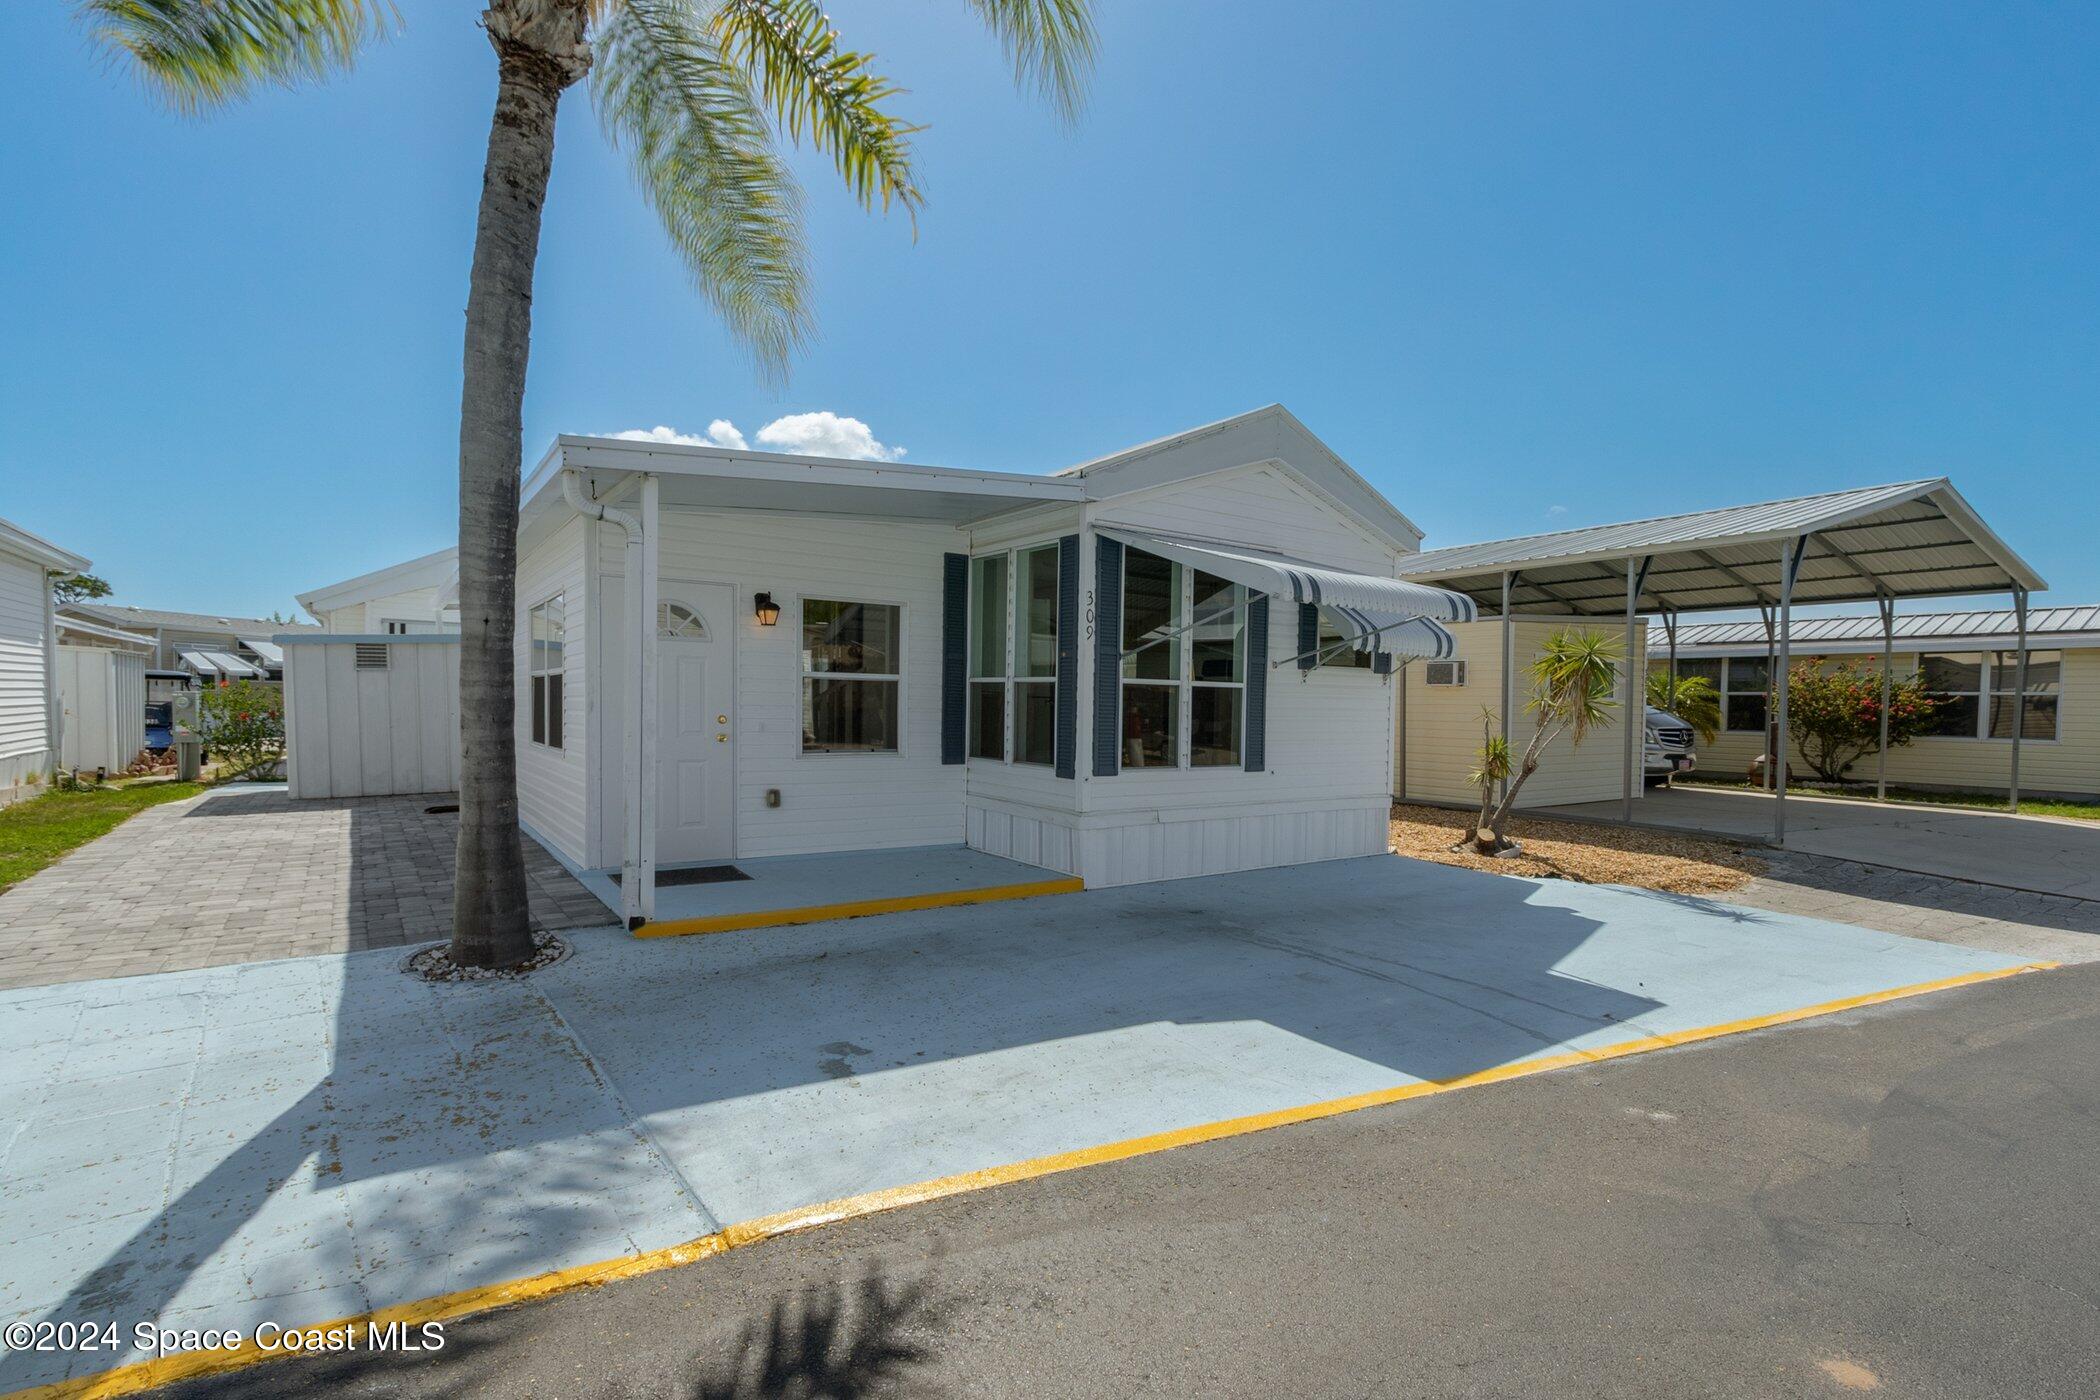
(1562, 850)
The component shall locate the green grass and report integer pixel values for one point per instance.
(1975, 801)
(37, 831)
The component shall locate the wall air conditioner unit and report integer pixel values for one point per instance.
(1444, 673)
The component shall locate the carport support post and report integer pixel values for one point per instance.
(1789, 561)
(1509, 668)
(2019, 706)
(645, 637)
(1636, 713)
(1888, 650)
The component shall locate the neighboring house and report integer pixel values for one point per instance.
(78, 632)
(1112, 671)
(1969, 662)
(203, 645)
(421, 595)
(30, 716)
(1438, 742)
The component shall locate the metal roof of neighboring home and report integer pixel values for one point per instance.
(1908, 539)
(2043, 625)
(133, 619)
(96, 629)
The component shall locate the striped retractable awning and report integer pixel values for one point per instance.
(1392, 634)
(1305, 582)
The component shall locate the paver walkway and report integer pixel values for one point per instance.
(245, 874)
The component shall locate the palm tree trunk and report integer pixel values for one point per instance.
(540, 51)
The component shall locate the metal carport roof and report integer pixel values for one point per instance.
(1912, 539)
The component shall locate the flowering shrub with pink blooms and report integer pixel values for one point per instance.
(1834, 714)
(243, 725)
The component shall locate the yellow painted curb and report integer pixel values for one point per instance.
(446, 1307)
(856, 909)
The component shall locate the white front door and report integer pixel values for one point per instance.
(695, 742)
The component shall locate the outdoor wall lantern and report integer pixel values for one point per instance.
(768, 611)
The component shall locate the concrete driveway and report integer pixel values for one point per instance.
(2047, 855)
(305, 1140)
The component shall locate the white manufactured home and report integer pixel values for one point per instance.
(30, 717)
(1175, 660)
(418, 596)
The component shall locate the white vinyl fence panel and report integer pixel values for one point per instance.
(370, 715)
(102, 694)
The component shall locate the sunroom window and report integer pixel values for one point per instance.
(1184, 666)
(547, 629)
(2044, 680)
(851, 659)
(1013, 655)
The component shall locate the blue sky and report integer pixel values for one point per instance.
(1523, 265)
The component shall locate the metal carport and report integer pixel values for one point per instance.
(1912, 539)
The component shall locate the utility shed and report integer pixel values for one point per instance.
(102, 692)
(1438, 737)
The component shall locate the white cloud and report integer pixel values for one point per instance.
(825, 434)
(720, 433)
(819, 434)
(1556, 510)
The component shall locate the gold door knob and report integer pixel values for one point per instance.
(721, 719)
(721, 738)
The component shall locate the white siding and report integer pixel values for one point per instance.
(25, 677)
(1441, 725)
(354, 732)
(553, 784)
(102, 694)
(829, 802)
(2068, 764)
(1260, 506)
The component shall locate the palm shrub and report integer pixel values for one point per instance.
(1692, 699)
(1833, 714)
(1493, 769)
(1572, 680)
(696, 92)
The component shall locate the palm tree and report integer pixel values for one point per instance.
(1693, 700)
(694, 91)
(1571, 684)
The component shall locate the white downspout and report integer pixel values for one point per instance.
(631, 889)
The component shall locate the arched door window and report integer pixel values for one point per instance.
(679, 622)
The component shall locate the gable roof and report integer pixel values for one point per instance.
(1272, 433)
(38, 550)
(1906, 539)
(433, 570)
(147, 619)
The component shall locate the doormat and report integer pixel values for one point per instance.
(697, 875)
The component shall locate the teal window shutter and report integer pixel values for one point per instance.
(1068, 657)
(1308, 634)
(1108, 656)
(1254, 747)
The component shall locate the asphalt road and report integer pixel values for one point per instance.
(1898, 1200)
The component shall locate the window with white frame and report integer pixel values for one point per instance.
(546, 625)
(1746, 696)
(1954, 680)
(1184, 666)
(2044, 681)
(852, 659)
(1013, 655)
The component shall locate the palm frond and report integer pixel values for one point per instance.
(203, 53)
(691, 125)
(1051, 45)
(823, 93)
